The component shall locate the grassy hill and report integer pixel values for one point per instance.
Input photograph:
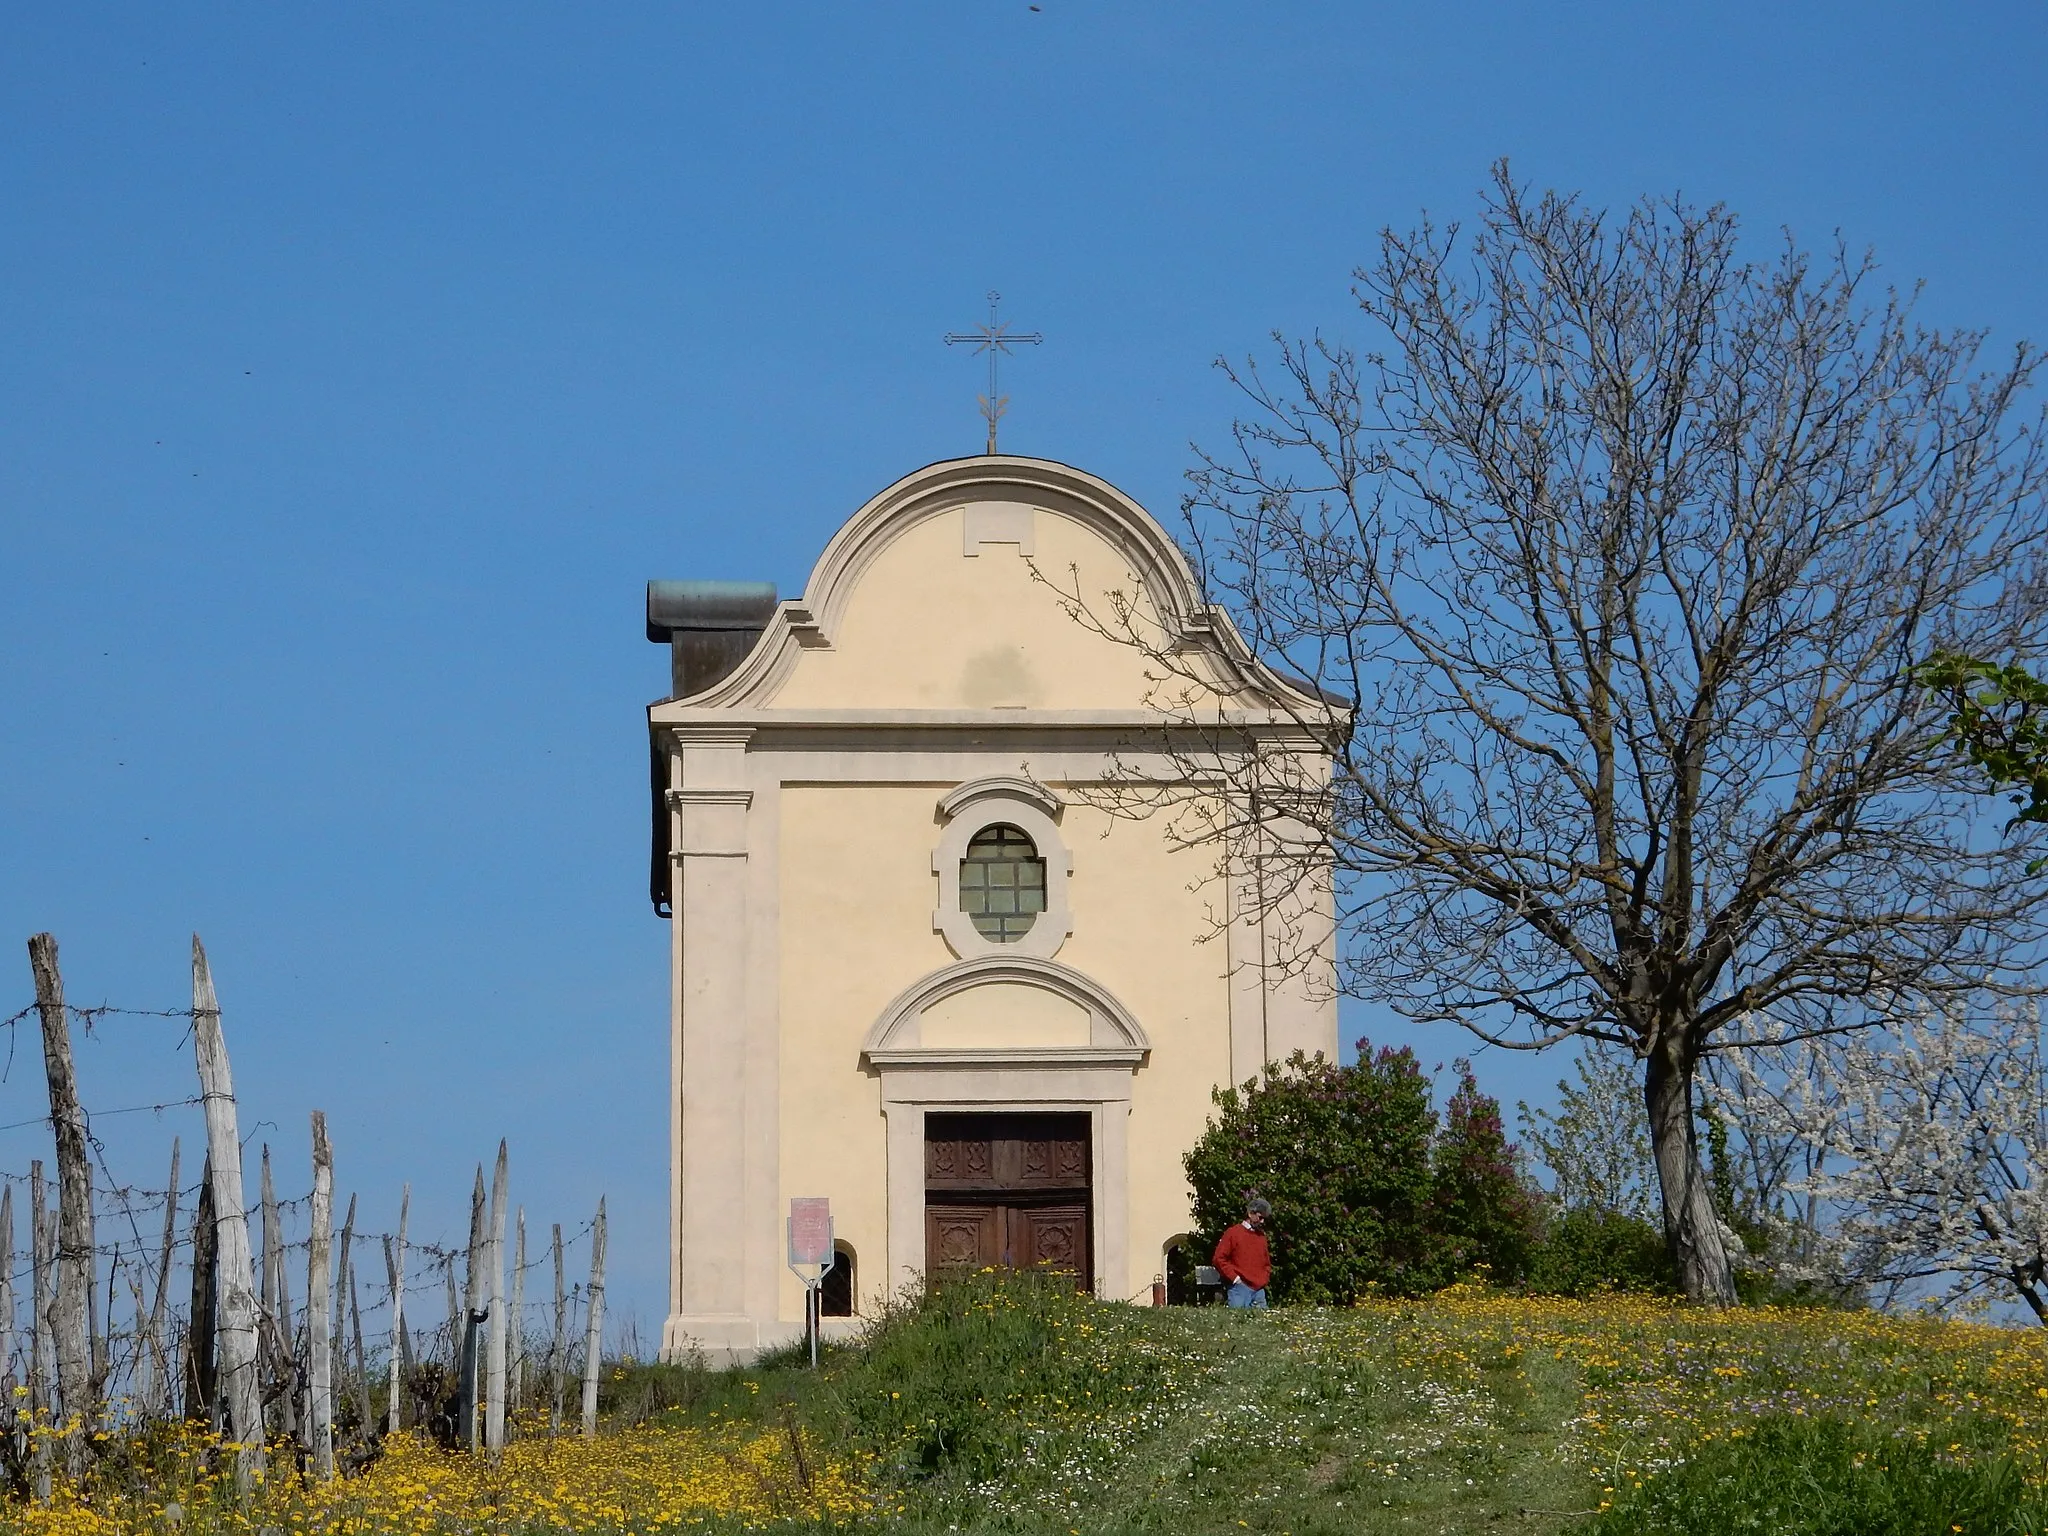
(1014, 1406)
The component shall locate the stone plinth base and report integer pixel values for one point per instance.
(723, 1342)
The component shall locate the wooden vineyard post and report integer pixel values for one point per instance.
(157, 1396)
(558, 1356)
(284, 1343)
(235, 1295)
(74, 1208)
(15, 1417)
(276, 1322)
(17, 1420)
(593, 1335)
(344, 1256)
(366, 1414)
(142, 1363)
(454, 1314)
(494, 1402)
(467, 1424)
(202, 1328)
(268, 1258)
(473, 1262)
(42, 1360)
(320, 1306)
(95, 1336)
(395, 1264)
(516, 1388)
(7, 1287)
(467, 1427)
(500, 1336)
(39, 1365)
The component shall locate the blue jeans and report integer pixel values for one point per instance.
(1242, 1295)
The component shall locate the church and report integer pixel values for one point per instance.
(927, 960)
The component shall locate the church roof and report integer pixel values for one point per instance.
(734, 646)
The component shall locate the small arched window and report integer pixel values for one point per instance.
(836, 1291)
(1002, 883)
(1181, 1257)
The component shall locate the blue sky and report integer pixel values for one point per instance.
(358, 365)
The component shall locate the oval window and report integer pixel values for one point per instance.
(1002, 883)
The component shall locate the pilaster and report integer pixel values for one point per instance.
(1245, 956)
(709, 801)
(906, 1193)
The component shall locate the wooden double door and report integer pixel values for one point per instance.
(1008, 1192)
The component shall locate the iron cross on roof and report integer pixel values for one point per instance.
(994, 338)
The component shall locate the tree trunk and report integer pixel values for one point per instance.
(75, 1276)
(1692, 1228)
(235, 1296)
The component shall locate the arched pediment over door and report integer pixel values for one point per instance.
(1011, 1010)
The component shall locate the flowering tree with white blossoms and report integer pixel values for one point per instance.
(1931, 1143)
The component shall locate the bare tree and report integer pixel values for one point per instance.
(1610, 565)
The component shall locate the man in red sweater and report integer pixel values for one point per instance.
(1243, 1259)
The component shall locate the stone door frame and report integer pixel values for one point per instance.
(908, 1096)
(1094, 1080)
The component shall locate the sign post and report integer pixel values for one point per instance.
(810, 1255)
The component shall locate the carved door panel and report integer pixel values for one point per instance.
(960, 1160)
(1009, 1190)
(1055, 1236)
(963, 1236)
(1055, 1159)
(989, 1152)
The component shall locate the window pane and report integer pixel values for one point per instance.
(1002, 883)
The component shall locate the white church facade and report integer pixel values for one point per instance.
(922, 964)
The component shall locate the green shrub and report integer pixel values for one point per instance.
(1822, 1477)
(1585, 1250)
(1366, 1194)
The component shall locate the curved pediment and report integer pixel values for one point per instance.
(1000, 1007)
(956, 588)
(1001, 786)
